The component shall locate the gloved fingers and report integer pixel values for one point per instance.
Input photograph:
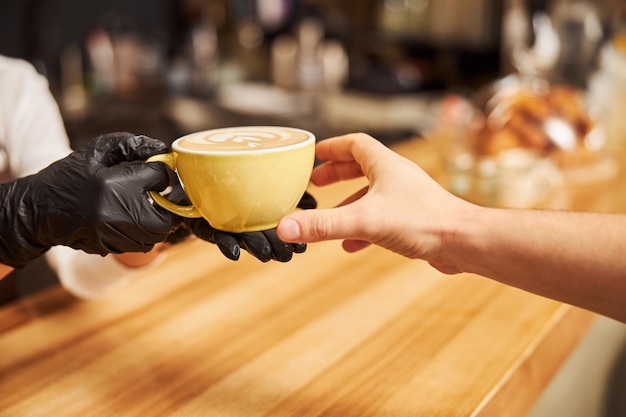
(151, 224)
(137, 177)
(307, 201)
(120, 244)
(299, 247)
(176, 194)
(281, 251)
(114, 148)
(143, 147)
(257, 244)
(264, 245)
(226, 242)
(128, 183)
(156, 219)
(180, 234)
(120, 237)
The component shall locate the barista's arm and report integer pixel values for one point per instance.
(140, 259)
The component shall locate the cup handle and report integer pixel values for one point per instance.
(169, 159)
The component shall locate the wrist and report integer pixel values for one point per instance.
(460, 239)
(18, 244)
(140, 259)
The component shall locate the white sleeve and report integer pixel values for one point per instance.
(91, 276)
(31, 127)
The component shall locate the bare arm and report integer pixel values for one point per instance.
(577, 258)
(139, 259)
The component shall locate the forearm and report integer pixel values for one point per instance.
(578, 258)
(139, 259)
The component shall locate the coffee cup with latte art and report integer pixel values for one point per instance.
(240, 179)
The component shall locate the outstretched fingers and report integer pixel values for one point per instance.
(347, 157)
(331, 172)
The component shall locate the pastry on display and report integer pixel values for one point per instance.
(515, 142)
(550, 120)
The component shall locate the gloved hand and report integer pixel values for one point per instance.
(264, 245)
(93, 200)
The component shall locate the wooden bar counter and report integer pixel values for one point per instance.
(327, 334)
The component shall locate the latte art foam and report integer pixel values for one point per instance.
(243, 138)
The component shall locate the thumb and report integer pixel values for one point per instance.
(316, 225)
(138, 176)
(114, 148)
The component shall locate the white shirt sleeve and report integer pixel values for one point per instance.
(32, 136)
(91, 276)
(31, 128)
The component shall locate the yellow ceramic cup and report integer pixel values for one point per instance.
(240, 179)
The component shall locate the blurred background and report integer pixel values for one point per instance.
(167, 67)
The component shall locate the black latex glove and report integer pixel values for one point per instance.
(264, 245)
(93, 200)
